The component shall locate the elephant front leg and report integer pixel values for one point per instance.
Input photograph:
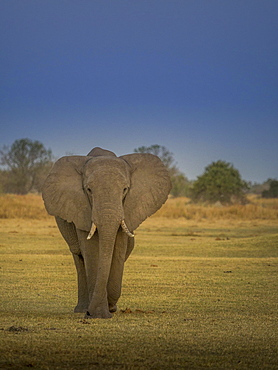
(90, 252)
(114, 286)
(83, 295)
(69, 233)
(98, 307)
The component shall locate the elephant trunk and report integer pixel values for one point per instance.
(98, 307)
(106, 219)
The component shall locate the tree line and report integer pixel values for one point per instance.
(25, 165)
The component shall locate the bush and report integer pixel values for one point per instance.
(221, 182)
(272, 192)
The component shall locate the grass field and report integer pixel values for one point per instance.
(200, 291)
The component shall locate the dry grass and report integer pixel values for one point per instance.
(31, 207)
(201, 293)
(257, 208)
(22, 207)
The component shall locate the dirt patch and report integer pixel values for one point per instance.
(16, 329)
(128, 310)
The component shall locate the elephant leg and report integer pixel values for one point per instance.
(83, 296)
(69, 233)
(114, 285)
(117, 269)
(130, 246)
(89, 250)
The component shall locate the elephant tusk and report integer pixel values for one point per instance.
(92, 231)
(124, 227)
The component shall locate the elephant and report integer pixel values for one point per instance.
(98, 200)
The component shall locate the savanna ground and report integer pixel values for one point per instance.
(199, 291)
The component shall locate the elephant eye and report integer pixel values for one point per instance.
(89, 190)
(125, 191)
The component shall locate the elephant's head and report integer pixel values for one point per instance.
(104, 192)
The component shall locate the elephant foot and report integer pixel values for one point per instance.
(82, 305)
(80, 309)
(113, 308)
(98, 315)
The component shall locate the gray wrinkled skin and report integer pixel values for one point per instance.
(98, 201)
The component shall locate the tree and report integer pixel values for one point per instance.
(26, 163)
(272, 192)
(163, 153)
(180, 184)
(220, 182)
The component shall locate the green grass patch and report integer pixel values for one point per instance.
(195, 295)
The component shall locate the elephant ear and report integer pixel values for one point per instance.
(149, 188)
(63, 193)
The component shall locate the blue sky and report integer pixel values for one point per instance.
(197, 76)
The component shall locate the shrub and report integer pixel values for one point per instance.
(221, 182)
